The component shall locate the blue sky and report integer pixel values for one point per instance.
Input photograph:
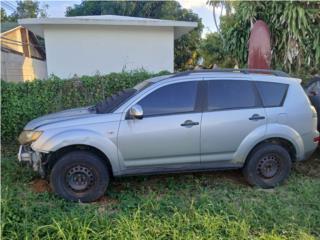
(57, 9)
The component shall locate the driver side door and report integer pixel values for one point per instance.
(169, 132)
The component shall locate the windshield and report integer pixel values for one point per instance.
(142, 85)
(112, 102)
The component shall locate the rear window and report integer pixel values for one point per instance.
(272, 94)
(231, 94)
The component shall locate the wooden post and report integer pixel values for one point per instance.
(26, 42)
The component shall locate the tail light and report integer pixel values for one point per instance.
(314, 112)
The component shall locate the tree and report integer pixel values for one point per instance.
(294, 27)
(212, 47)
(223, 5)
(212, 51)
(29, 9)
(4, 16)
(186, 53)
(7, 18)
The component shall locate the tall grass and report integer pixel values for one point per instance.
(182, 206)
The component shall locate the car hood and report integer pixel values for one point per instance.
(71, 114)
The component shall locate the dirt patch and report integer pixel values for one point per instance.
(161, 183)
(106, 205)
(40, 186)
(118, 186)
(106, 201)
(310, 167)
(234, 176)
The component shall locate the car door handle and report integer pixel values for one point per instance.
(256, 117)
(189, 123)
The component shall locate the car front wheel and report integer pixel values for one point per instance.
(79, 176)
(268, 165)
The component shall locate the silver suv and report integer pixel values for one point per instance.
(260, 121)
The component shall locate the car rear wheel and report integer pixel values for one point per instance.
(79, 176)
(268, 165)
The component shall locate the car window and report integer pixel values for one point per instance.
(170, 99)
(272, 94)
(231, 94)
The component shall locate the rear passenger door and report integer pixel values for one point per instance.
(273, 97)
(232, 110)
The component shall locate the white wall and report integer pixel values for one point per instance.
(86, 50)
(17, 68)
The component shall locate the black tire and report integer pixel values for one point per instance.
(80, 176)
(267, 166)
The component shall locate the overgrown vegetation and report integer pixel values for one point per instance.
(216, 205)
(294, 27)
(22, 102)
(213, 52)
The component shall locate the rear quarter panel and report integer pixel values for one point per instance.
(294, 121)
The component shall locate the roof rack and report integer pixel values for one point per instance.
(233, 70)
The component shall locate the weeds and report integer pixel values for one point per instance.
(215, 205)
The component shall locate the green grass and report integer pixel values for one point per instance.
(215, 205)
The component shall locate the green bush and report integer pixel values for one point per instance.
(22, 102)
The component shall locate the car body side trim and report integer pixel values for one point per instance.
(180, 168)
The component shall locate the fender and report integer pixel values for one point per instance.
(66, 138)
(263, 133)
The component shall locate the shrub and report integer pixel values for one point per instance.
(22, 102)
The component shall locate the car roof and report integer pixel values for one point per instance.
(236, 74)
(237, 70)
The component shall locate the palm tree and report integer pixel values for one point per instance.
(223, 5)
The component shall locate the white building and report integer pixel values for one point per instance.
(88, 45)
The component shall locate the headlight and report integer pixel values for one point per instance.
(29, 136)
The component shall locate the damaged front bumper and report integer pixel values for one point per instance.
(27, 155)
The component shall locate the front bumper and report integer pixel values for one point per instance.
(27, 155)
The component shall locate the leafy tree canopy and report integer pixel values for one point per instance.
(25, 9)
(186, 48)
(294, 27)
(213, 53)
(4, 16)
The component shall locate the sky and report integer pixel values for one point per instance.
(57, 8)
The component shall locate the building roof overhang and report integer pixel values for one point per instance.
(37, 25)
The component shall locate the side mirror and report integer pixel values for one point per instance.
(136, 111)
